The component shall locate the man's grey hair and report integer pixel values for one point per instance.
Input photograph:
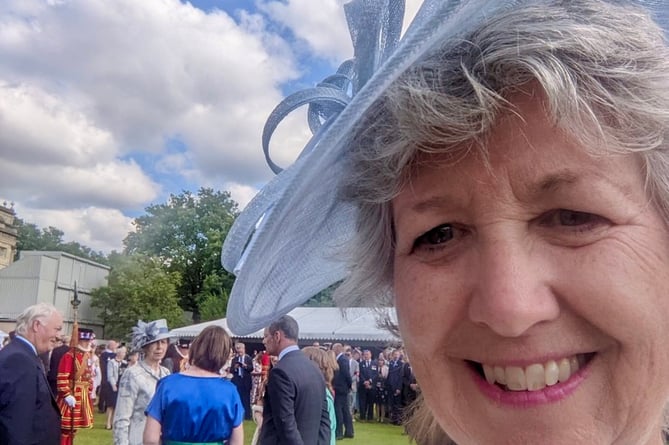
(39, 311)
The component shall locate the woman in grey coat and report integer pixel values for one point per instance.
(138, 383)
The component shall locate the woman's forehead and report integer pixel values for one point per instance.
(524, 152)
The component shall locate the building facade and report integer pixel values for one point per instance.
(8, 235)
(50, 277)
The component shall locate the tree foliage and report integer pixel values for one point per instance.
(186, 235)
(213, 299)
(31, 237)
(139, 288)
(323, 298)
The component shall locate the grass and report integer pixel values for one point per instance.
(371, 433)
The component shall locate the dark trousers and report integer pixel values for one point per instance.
(103, 396)
(244, 390)
(396, 407)
(343, 415)
(366, 403)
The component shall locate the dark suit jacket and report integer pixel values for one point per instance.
(246, 367)
(408, 378)
(367, 373)
(28, 411)
(395, 375)
(342, 380)
(296, 410)
(54, 361)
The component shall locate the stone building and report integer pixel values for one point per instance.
(8, 235)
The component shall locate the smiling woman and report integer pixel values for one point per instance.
(521, 173)
(511, 195)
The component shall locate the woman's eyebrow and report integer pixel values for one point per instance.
(555, 182)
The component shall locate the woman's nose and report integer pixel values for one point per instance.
(511, 291)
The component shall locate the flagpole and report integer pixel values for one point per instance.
(74, 340)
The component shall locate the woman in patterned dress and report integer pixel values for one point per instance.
(380, 390)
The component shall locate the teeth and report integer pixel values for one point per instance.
(515, 378)
(489, 373)
(500, 375)
(535, 376)
(564, 370)
(552, 373)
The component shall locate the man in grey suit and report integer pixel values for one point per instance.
(29, 414)
(295, 410)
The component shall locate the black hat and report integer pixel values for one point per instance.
(86, 334)
(184, 342)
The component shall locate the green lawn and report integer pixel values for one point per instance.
(365, 433)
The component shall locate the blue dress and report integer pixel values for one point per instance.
(196, 409)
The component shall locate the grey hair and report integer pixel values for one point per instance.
(38, 311)
(604, 71)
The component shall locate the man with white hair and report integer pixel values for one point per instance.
(28, 410)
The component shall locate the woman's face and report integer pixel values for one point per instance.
(155, 351)
(550, 269)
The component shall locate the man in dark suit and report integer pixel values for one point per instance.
(295, 408)
(368, 371)
(341, 383)
(29, 414)
(394, 385)
(242, 366)
(106, 390)
(409, 384)
(57, 354)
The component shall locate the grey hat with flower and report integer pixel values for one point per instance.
(146, 333)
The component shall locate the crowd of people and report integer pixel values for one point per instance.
(200, 392)
(503, 182)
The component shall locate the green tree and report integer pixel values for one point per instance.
(213, 299)
(139, 289)
(31, 237)
(186, 234)
(323, 298)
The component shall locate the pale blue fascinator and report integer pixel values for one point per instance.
(287, 244)
(147, 333)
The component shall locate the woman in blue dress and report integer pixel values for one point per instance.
(197, 405)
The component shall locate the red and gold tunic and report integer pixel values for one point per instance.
(75, 370)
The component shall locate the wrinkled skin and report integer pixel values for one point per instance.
(546, 253)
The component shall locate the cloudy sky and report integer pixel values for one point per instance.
(109, 106)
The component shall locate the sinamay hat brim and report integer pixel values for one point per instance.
(288, 244)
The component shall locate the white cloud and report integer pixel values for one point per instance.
(35, 125)
(151, 70)
(242, 194)
(86, 86)
(101, 229)
(319, 24)
(52, 156)
(92, 92)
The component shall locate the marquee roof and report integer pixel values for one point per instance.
(319, 323)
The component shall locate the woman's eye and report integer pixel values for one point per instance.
(572, 218)
(434, 237)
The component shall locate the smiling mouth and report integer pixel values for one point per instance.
(534, 377)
